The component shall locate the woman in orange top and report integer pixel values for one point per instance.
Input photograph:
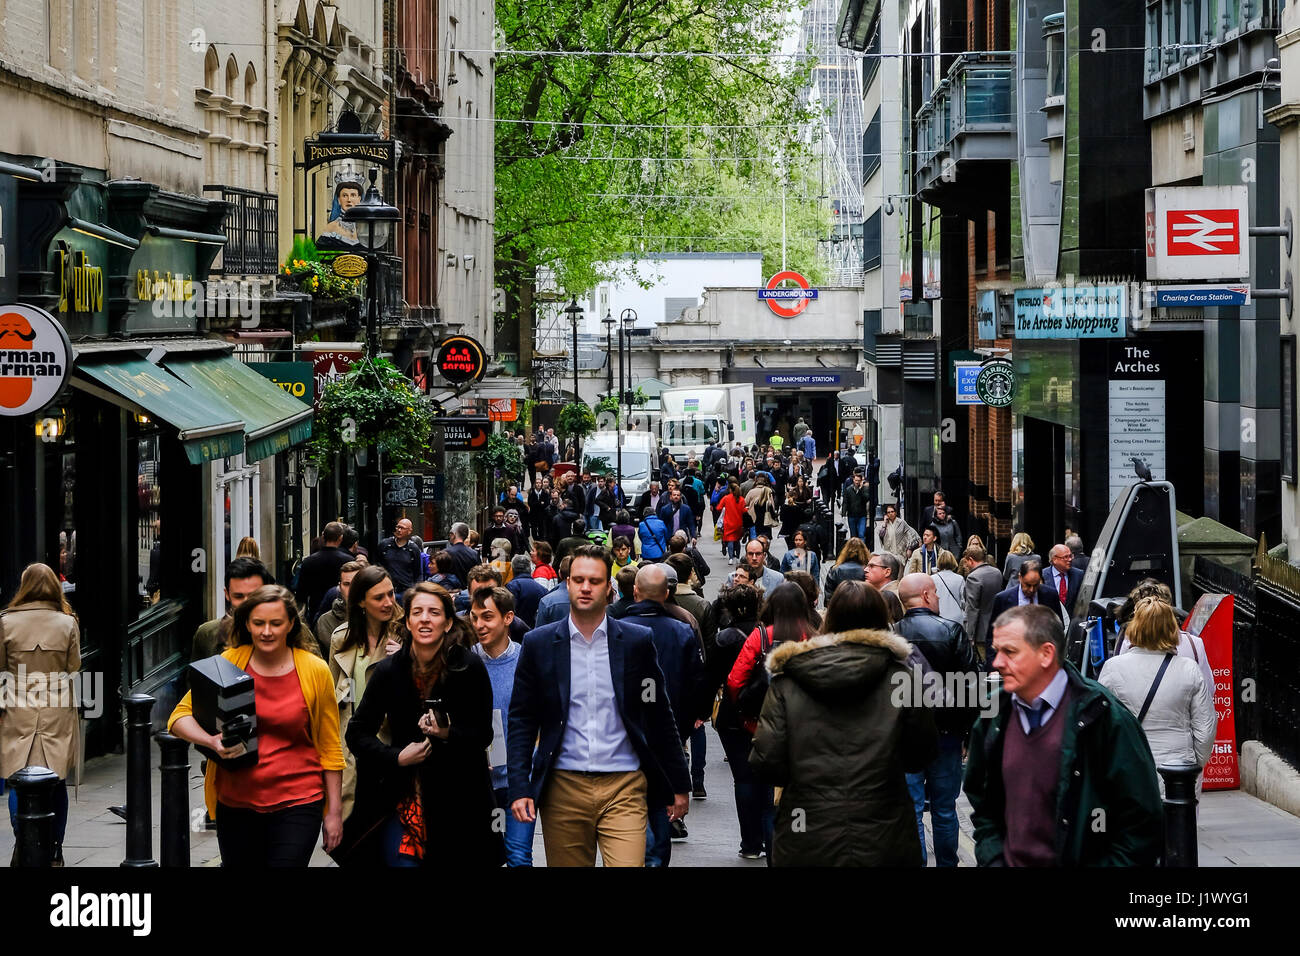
(270, 814)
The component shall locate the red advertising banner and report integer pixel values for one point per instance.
(1211, 620)
(328, 366)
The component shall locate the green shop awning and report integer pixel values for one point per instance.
(274, 421)
(219, 406)
(209, 429)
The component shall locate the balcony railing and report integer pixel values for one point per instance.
(252, 233)
(974, 98)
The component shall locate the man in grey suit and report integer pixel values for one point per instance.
(983, 582)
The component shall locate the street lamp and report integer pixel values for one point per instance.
(374, 219)
(574, 311)
(627, 319)
(608, 323)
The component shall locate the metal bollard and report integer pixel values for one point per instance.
(35, 819)
(1180, 815)
(174, 822)
(139, 798)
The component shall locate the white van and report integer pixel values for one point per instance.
(640, 455)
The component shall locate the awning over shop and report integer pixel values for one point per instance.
(219, 406)
(274, 420)
(208, 427)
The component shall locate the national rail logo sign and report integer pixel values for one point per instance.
(777, 293)
(1197, 233)
(35, 359)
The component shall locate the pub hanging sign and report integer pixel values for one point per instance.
(35, 359)
(460, 359)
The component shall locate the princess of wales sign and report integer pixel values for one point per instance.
(35, 359)
(775, 294)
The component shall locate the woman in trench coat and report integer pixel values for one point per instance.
(40, 654)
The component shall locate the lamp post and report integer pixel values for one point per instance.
(574, 312)
(608, 323)
(627, 319)
(374, 219)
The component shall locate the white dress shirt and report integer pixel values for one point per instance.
(1022, 600)
(595, 739)
(1048, 701)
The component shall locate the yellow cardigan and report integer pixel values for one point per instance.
(317, 690)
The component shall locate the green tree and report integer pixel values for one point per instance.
(635, 145)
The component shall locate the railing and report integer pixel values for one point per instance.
(252, 233)
(973, 97)
(156, 647)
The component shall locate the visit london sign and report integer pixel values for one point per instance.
(35, 359)
(1197, 232)
(783, 300)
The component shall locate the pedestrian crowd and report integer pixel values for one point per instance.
(426, 705)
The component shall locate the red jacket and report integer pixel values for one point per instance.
(746, 661)
(733, 520)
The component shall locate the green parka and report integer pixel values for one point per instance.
(831, 735)
(1108, 807)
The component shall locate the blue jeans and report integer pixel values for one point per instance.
(940, 782)
(858, 528)
(754, 809)
(658, 838)
(593, 523)
(699, 743)
(392, 838)
(60, 811)
(731, 549)
(519, 836)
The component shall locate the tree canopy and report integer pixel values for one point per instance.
(629, 127)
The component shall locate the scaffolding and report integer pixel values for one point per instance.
(835, 91)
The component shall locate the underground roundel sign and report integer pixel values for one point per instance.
(461, 359)
(996, 384)
(35, 359)
(785, 300)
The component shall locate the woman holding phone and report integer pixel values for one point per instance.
(371, 633)
(424, 795)
(269, 814)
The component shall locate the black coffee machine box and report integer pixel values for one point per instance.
(222, 698)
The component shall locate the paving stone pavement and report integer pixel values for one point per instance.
(1236, 829)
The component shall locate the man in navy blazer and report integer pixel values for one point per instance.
(589, 691)
(1060, 572)
(1027, 590)
(678, 509)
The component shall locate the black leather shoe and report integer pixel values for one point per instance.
(679, 830)
(118, 811)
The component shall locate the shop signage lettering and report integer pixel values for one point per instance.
(81, 285)
(295, 378)
(329, 367)
(1071, 312)
(167, 286)
(1137, 360)
(775, 293)
(35, 356)
(802, 379)
(317, 153)
(465, 434)
(461, 359)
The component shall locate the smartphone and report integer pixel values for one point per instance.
(439, 711)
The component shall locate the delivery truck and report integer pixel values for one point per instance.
(696, 415)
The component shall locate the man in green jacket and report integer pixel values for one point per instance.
(243, 577)
(1062, 775)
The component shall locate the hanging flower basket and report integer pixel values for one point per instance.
(374, 404)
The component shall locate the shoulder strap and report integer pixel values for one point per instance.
(1151, 694)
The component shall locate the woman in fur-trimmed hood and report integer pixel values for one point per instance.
(832, 733)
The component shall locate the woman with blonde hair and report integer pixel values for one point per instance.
(951, 587)
(40, 646)
(1022, 550)
(270, 813)
(1165, 691)
(248, 549)
(850, 565)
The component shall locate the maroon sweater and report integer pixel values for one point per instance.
(1031, 768)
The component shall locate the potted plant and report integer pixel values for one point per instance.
(374, 404)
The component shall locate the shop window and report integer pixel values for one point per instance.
(148, 523)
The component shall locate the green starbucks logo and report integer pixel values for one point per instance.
(995, 385)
